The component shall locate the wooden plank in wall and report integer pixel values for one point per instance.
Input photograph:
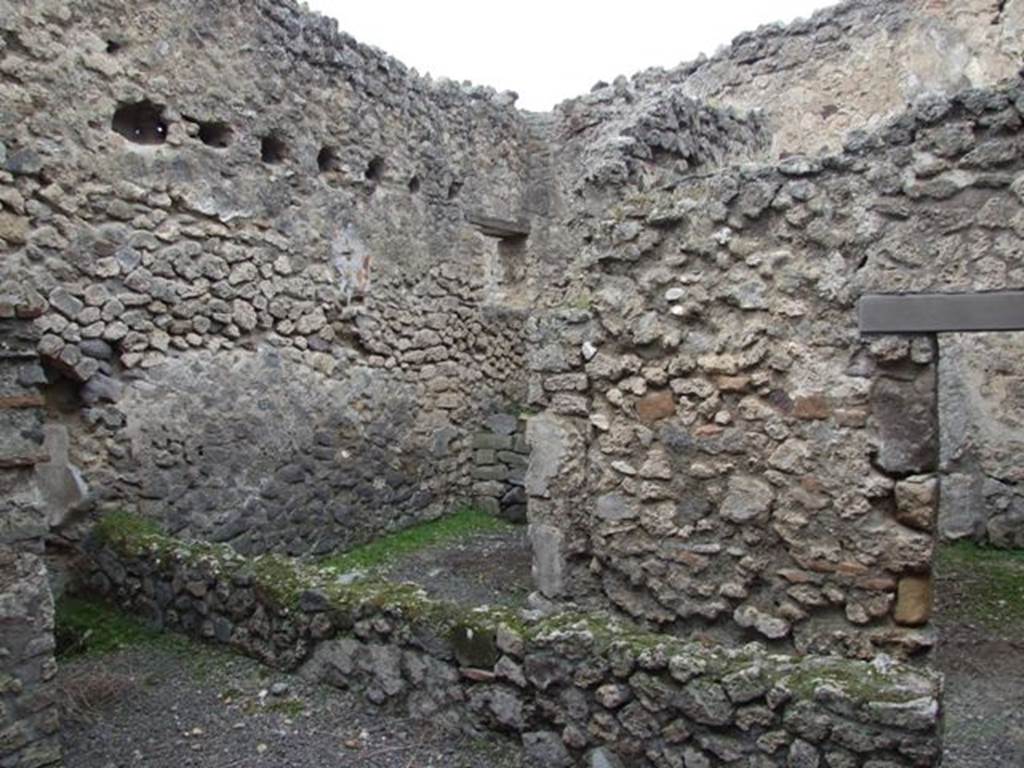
(493, 226)
(941, 312)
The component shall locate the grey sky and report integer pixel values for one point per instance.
(549, 50)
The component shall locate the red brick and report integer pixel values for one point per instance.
(655, 406)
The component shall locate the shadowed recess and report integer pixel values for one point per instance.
(140, 122)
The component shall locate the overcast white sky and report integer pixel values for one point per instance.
(549, 50)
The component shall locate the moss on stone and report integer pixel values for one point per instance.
(122, 530)
(284, 581)
(280, 579)
(474, 647)
(860, 681)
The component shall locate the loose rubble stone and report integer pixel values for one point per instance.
(545, 748)
(747, 498)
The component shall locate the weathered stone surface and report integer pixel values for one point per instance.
(549, 442)
(614, 507)
(28, 718)
(802, 755)
(771, 627)
(603, 758)
(60, 482)
(705, 703)
(65, 303)
(747, 498)
(548, 544)
(913, 600)
(916, 501)
(961, 512)
(545, 748)
(908, 425)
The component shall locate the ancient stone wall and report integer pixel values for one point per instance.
(28, 711)
(852, 66)
(29, 727)
(267, 280)
(722, 450)
(575, 687)
(500, 458)
(283, 311)
(982, 418)
(288, 295)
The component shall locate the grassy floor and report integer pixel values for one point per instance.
(89, 626)
(982, 584)
(387, 549)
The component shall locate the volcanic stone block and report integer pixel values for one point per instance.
(548, 559)
(747, 498)
(907, 420)
(916, 500)
(23, 444)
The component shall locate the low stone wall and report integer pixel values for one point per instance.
(579, 689)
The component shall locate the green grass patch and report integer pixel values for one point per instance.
(982, 584)
(88, 626)
(387, 549)
(965, 551)
(126, 530)
(287, 707)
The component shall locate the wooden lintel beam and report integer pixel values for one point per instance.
(492, 226)
(941, 312)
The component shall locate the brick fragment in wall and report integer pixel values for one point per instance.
(914, 600)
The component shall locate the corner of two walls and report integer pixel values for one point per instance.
(275, 325)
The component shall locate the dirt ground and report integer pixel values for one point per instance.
(172, 707)
(485, 568)
(182, 705)
(981, 652)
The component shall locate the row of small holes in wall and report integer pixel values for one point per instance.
(143, 123)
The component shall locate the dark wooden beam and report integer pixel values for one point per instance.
(939, 312)
(492, 226)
